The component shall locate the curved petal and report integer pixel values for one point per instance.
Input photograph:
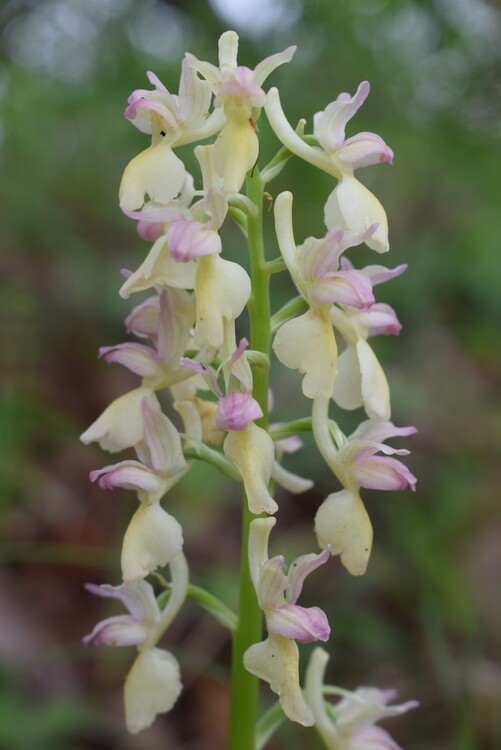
(276, 660)
(153, 538)
(307, 344)
(156, 171)
(222, 290)
(329, 125)
(365, 149)
(343, 522)
(122, 630)
(138, 358)
(347, 391)
(235, 152)
(152, 687)
(130, 475)
(299, 569)
(352, 206)
(287, 479)
(236, 410)
(303, 624)
(382, 473)
(375, 389)
(121, 425)
(159, 269)
(163, 443)
(314, 684)
(252, 451)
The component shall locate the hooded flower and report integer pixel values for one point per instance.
(171, 121)
(350, 206)
(276, 660)
(350, 723)
(239, 95)
(307, 343)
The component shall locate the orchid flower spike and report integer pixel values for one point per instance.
(276, 660)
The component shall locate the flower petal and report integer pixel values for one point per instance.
(303, 624)
(307, 344)
(342, 522)
(121, 425)
(329, 125)
(236, 410)
(153, 538)
(159, 269)
(252, 451)
(375, 389)
(129, 475)
(138, 358)
(352, 206)
(299, 569)
(222, 290)
(156, 171)
(347, 391)
(152, 687)
(122, 630)
(235, 152)
(276, 660)
(382, 473)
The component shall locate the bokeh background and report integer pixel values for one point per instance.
(426, 616)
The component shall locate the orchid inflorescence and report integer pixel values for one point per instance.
(218, 386)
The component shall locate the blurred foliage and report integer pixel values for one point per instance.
(426, 617)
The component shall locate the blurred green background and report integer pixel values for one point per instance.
(426, 616)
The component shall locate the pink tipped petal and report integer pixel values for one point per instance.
(150, 232)
(378, 432)
(240, 82)
(380, 274)
(191, 239)
(365, 149)
(372, 738)
(236, 410)
(382, 473)
(164, 451)
(208, 373)
(129, 475)
(303, 624)
(299, 569)
(350, 288)
(329, 125)
(122, 630)
(143, 320)
(137, 358)
(239, 351)
(381, 319)
(155, 81)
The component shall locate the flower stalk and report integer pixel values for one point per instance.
(244, 685)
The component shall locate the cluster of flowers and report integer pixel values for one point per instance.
(189, 348)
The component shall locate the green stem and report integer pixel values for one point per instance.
(245, 686)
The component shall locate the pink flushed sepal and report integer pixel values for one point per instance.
(236, 410)
(192, 239)
(129, 475)
(138, 358)
(303, 624)
(124, 630)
